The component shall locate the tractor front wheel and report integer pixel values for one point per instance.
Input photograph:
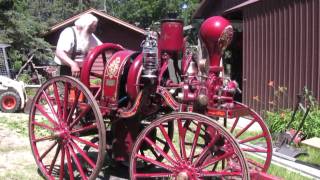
(10, 101)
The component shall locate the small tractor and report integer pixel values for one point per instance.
(12, 92)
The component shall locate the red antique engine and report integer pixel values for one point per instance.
(164, 111)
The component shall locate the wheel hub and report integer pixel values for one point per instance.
(9, 103)
(183, 176)
(62, 134)
(186, 171)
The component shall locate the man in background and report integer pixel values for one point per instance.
(74, 44)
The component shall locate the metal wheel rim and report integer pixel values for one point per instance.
(266, 137)
(9, 102)
(70, 149)
(203, 120)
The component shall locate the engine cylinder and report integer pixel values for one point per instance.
(171, 36)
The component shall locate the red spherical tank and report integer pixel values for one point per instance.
(171, 35)
(216, 32)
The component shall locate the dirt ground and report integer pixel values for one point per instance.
(16, 159)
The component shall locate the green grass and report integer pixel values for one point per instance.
(313, 156)
(20, 166)
(4, 149)
(280, 171)
(17, 123)
(28, 172)
(285, 173)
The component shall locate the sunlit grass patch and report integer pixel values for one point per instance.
(313, 156)
(278, 171)
(17, 123)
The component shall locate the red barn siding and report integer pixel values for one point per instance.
(281, 44)
(97, 66)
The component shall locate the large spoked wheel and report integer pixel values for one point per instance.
(153, 135)
(200, 149)
(253, 136)
(97, 57)
(64, 118)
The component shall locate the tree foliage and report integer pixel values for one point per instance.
(145, 12)
(23, 21)
(21, 30)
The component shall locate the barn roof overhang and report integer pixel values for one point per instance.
(207, 6)
(95, 12)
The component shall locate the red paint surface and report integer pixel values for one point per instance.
(210, 31)
(171, 37)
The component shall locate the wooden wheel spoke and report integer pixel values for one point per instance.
(196, 145)
(65, 102)
(154, 175)
(235, 123)
(255, 163)
(69, 164)
(84, 129)
(98, 93)
(195, 140)
(219, 174)
(252, 149)
(45, 138)
(216, 159)
(155, 162)
(83, 154)
(159, 150)
(43, 126)
(74, 105)
(245, 129)
(205, 151)
(182, 136)
(200, 135)
(169, 142)
(81, 115)
(45, 114)
(53, 162)
(203, 129)
(61, 172)
(50, 105)
(77, 162)
(251, 138)
(58, 101)
(86, 142)
(48, 150)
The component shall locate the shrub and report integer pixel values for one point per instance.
(24, 77)
(277, 121)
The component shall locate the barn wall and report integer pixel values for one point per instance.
(281, 45)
